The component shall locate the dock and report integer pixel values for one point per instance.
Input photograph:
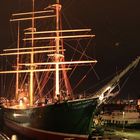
(4, 136)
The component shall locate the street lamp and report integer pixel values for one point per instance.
(123, 121)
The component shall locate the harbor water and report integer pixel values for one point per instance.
(110, 134)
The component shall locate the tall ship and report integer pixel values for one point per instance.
(41, 102)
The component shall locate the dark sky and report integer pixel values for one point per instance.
(116, 24)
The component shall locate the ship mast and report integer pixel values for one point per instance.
(57, 49)
(17, 67)
(32, 57)
(57, 43)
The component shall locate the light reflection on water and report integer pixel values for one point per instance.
(116, 135)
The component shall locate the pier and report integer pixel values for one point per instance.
(4, 136)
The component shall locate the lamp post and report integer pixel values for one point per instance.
(123, 121)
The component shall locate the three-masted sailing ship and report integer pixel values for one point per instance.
(35, 111)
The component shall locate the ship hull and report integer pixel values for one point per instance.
(72, 117)
(36, 134)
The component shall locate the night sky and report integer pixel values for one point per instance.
(116, 24)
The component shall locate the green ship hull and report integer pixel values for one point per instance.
(74, 117)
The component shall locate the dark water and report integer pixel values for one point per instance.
(114, 135)
(10, 133)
